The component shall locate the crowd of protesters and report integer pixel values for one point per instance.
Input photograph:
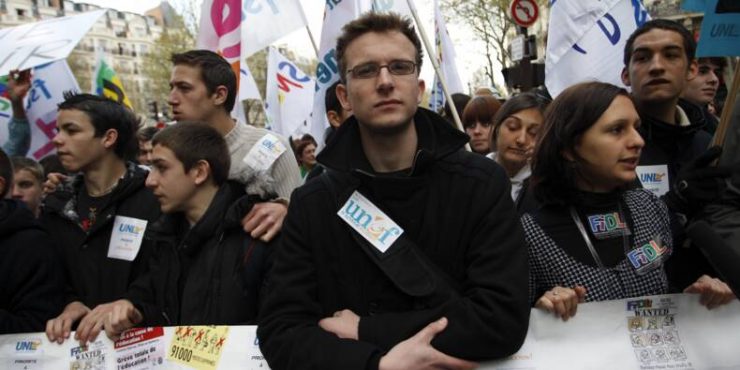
(391, 248)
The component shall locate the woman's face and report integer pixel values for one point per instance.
(308, 156)
(516, 137)
(479, 133)
(609, 150)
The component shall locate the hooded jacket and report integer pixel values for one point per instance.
(92, 277)
(210, 274)
(461, 256)
(31, 285)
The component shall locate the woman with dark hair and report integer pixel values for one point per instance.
(515, 128)
(477, 119)
(597, 237)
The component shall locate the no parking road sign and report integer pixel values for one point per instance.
(524, 12)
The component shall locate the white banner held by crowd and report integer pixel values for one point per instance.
(445, 55)
(48, 85)
(264, 22)
(33, 44)
(586, 41)
(289, 96)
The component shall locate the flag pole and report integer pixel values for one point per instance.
(437, 70)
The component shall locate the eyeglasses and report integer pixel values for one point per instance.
(372, 69)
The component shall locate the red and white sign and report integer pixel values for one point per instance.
(524, 12)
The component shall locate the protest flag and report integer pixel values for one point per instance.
(106, 83)
(289, 96)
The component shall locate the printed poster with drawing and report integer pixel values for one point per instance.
(198, 347)
(140, 349)
(88, 357)
(654, 334)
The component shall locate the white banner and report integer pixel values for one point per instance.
(445, 54)
(335, 17)
(586, 41)
(33, 44)
(247, 86)
(48, 85)
(266, 21)
(649, 333)
(398, 6)
(289, 96)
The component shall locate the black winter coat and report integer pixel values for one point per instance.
(469, 263)
(210, 274)
(92, 277)
(31, 279)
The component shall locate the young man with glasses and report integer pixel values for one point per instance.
(407, 253)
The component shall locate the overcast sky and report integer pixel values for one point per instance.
(469, 53)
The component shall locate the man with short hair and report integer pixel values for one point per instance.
(335, 114)
(659, 62)
(99, 216)
(407, 253)
(204, 88)
(28, 181)
(207, 270)
(31, 280)
(702, 89)
(145, 135)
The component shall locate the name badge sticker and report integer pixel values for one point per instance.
(654, 178)
(374, 225)
(649, 256)
(125, 241)
(264, 153)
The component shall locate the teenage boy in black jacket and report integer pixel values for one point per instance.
(206, 270)
(407, 253)
(98, 217)
(31, 285)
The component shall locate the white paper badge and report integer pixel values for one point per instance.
(264, 153)
(374, 225)
(125, 241)
(654, 178)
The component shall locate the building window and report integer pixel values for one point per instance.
(21, 13)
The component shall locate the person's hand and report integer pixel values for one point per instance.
(417, 353)
(91, 325)
(563, 302)
(698, 183)
(344, 324)
(123, 316)
(265, 220)
(58, 329)
(53, 179)
(19, 83)
(714, 292)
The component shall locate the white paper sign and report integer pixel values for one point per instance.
(264, 153)
(654, 178)
(38, 43)
(125, 241)
(374, 225)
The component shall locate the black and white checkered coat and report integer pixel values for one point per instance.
(551, 266)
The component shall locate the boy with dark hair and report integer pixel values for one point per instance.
(207, 270)
(145, 135)
(203, 88)
(407, 252)
(702, 89)
(659, 62)
(31, 280)
(99, 216)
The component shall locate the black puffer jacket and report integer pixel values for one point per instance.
(31, 279)
(468, 264)
(92, 277)
(205, 275)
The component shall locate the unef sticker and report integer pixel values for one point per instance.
(654, 178)
(374, 225)
(264, 153)
(28, 354)
(605, 226)
(199, 347)
(125, 241)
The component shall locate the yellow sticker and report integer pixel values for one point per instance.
(198, 346)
